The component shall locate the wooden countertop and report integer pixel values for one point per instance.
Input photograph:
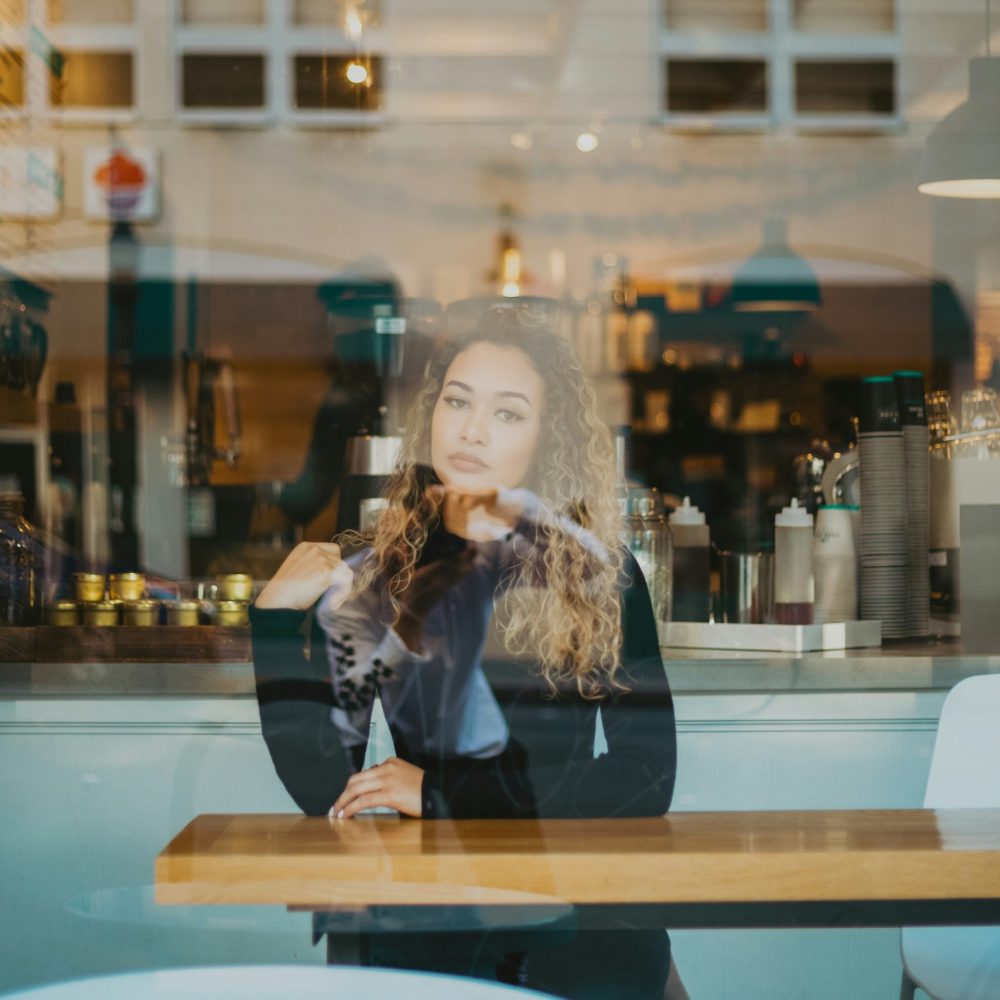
(731, 857)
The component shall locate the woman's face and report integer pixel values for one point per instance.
(486, 422)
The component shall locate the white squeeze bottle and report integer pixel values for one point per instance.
(793, 566)
(692, 598)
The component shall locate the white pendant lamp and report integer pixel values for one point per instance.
(962, 155)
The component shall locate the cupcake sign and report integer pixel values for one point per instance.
(121, 184)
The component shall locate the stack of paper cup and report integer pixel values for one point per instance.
(913, 417)
(835, 566)
(884, 560)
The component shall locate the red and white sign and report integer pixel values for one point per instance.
(121, 184)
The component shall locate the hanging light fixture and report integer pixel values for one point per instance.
(962, 155)
(775, 278)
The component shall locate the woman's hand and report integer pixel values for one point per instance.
(480, 515)
(393, 783)
(310, 569)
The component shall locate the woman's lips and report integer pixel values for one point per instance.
(467, 463)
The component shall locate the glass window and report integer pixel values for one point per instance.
(338, 83)
(91, 11)
(223, 80)
(844, 86)
(11, 79)
(222, 12)
(717, 15)
(347, 14)
(93, 80)
(844, 16)
(716, 85)
(12, 12)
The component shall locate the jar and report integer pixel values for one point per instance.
(89, 587)
(141, 613)
(231, 613)
(99, 614)
(183, 612)
(235, 587)
(20, 564)
(647, 537)
(127, 586)
(61, 613)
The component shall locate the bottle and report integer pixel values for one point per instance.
(692, 597)
(793, 566)
(647, 537)
(20, 566)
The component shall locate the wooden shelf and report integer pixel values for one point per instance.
(125, 644)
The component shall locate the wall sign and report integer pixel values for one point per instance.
(121, 184)
(31, 185)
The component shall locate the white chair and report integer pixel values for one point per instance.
(265, 982)
(960, 963)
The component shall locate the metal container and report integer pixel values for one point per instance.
(88, 587)
(61, 613)
(235, 587)
(232, 613)
(746, 587)
(101, 613)
(129, 587)
(183, 612)
(141, 613)
(371, 455)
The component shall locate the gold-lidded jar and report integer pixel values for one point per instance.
(129, 587)
(61, 613)
(235, 587)
(232, 613)
(99, 614)
(88, 587)
(141, 613)
(183, 612)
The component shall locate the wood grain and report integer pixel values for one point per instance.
(155, 644)
(683, 858)
(17, 645)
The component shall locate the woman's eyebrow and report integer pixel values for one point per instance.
(504, 395)
(518, 395)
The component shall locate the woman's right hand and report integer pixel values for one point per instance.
(308, 572)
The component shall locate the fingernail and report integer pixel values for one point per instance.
(340, 815)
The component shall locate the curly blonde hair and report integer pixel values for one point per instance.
(571, 624)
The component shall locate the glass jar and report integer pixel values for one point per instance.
(647, 537)
(20, 565)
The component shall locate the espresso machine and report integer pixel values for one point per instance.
(381, 344)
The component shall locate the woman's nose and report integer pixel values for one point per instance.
(474, 428)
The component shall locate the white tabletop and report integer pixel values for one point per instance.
(265, 982)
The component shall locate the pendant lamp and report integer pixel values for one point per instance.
(962, 155)
(775, 278)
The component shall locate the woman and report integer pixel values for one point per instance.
(504, 491)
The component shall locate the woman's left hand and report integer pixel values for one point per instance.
(393, 783)
(481, 515)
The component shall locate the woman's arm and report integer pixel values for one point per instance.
(295, 696)
(635, 777)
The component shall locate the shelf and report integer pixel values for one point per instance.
(125, 644)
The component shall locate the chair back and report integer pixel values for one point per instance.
(965, 768)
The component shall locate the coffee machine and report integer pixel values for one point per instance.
(381, 344)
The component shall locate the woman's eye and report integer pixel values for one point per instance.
(455, 402)
(509, 416)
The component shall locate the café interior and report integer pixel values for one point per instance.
(236, 239)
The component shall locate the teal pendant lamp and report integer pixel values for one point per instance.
(775, 278)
